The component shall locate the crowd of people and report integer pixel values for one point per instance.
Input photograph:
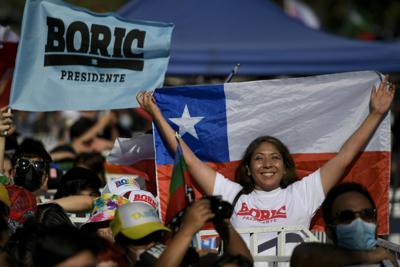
(124, 227)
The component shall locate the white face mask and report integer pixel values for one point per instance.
(357, 235)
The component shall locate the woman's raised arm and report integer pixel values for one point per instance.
(381, 99)
(201, 172)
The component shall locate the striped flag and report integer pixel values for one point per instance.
(8, 53)
(313, 116)
(178, 188)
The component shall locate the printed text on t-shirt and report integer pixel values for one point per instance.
(261, 215)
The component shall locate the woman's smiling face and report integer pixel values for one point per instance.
(266, 167)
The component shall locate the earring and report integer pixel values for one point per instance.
(248, 171)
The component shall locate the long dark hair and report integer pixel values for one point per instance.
(247, 181)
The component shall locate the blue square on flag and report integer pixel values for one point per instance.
(198, 114)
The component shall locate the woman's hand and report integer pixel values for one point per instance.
(382, 96)
(147, 102)
(203, 174)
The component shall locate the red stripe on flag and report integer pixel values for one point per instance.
(8, 53)
(371, 169)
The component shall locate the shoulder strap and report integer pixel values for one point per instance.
(235, 200)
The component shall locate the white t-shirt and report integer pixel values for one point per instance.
(293, 205)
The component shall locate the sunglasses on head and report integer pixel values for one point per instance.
(24, 164)
(347, 216)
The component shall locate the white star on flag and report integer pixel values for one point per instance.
(186, 123)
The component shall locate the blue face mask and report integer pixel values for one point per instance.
(357, 235)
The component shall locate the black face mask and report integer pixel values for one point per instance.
(29, 178)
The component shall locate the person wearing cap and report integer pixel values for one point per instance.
(104, 207)
(121, 186)
(128, 187)
(196, 216)
(136, 228)
(103, 212)
(83, 203)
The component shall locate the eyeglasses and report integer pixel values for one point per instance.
(24, 164)
(347, 216)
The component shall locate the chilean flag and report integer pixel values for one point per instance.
(313, 116)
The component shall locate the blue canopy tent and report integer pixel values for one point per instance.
(211, 36)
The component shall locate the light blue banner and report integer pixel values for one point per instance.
(73, 59)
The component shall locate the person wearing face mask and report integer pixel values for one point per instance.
(266, 191)
(350, 216)
(31, 166)
(139, 232)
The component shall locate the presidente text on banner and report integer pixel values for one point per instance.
(73, 59)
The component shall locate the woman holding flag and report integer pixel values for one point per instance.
(267, 191)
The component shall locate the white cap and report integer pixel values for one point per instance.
(121, 186)
(143, 196)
